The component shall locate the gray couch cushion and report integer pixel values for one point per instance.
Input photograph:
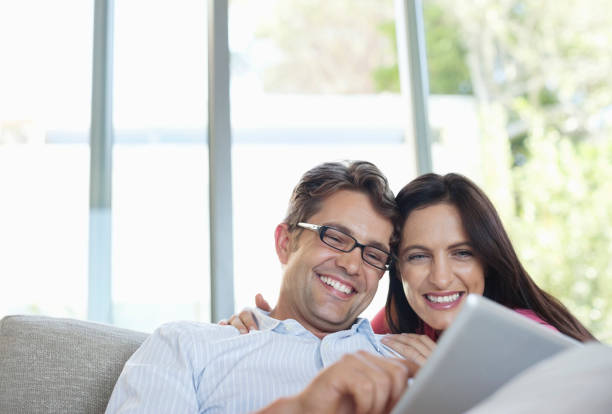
(52, 365)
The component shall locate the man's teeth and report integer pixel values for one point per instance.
(443, 299)
(337, 285)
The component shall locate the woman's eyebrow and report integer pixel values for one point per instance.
(462, 243)
(421, 247)
(413, 246)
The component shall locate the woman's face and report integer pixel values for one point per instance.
(438, 265)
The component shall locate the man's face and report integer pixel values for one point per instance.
(325, 289)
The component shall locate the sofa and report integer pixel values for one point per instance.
(55, 365)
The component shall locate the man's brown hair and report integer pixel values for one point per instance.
(328, 178)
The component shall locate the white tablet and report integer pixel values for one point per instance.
(485, 346)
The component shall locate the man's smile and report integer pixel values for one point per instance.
(339, 287)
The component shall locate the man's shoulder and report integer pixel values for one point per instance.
(197, 330)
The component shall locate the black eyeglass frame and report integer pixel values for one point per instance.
(322, 229)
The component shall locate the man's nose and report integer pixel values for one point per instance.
(350, 261)
(441, 275)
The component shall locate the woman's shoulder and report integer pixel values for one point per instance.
(528, 313)
(379, 323)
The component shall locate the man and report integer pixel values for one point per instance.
(334, 246)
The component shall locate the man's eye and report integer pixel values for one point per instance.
(377, 257)
(334, 238)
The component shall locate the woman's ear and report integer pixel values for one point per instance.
(282, 240)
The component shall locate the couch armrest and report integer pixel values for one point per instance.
(54, 365)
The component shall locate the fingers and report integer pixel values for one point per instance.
(388, 378)
(235, 321)
(412, 367)
(244, 321)
(357, 383)
(422, 342)
(248, 319)
(411, 346)
(261, 303)
(370, 386)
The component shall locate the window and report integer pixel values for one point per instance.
(160, 256)
(45, 84)
(308, 86)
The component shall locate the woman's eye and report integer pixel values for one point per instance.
(415, 257)
(464, 253)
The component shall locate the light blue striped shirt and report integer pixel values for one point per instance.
(189, 367)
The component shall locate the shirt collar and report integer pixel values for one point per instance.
(264, 321)
(267, 323)
(361, 326)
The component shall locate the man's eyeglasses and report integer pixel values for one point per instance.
(343, 242)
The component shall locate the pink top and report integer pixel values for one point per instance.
(379, 323)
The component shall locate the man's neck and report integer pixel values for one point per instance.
(282, 313)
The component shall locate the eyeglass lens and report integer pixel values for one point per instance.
(344, 242)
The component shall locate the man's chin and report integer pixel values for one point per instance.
(336, 322)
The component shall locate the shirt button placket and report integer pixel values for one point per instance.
(325, 351)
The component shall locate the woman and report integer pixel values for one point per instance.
(453, 243)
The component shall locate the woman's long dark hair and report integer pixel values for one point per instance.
(506, 281)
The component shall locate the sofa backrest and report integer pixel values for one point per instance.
(53, 365)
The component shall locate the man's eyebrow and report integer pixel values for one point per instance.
(345, 229)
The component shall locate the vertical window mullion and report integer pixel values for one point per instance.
(101, 147)
(414, 81)
(220, 163)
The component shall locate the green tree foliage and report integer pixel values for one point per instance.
(448, 71)
(539, 72)
(326, 46)
(542, 67)
(563, 226)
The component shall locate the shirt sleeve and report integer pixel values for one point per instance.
(160, 376)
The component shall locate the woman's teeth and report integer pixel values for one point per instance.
(336, 285)
(443, 299)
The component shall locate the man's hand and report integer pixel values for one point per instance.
(244, 321)
(357, 383)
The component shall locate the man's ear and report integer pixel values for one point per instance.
(282, 240)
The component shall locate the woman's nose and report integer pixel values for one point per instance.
(441, 275)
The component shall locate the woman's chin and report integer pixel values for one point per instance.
(440, 324)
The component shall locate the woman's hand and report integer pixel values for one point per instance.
(245, 321)
(411, 346)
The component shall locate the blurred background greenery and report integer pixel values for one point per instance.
(543, 68)
(538, 71)
(520, 101)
